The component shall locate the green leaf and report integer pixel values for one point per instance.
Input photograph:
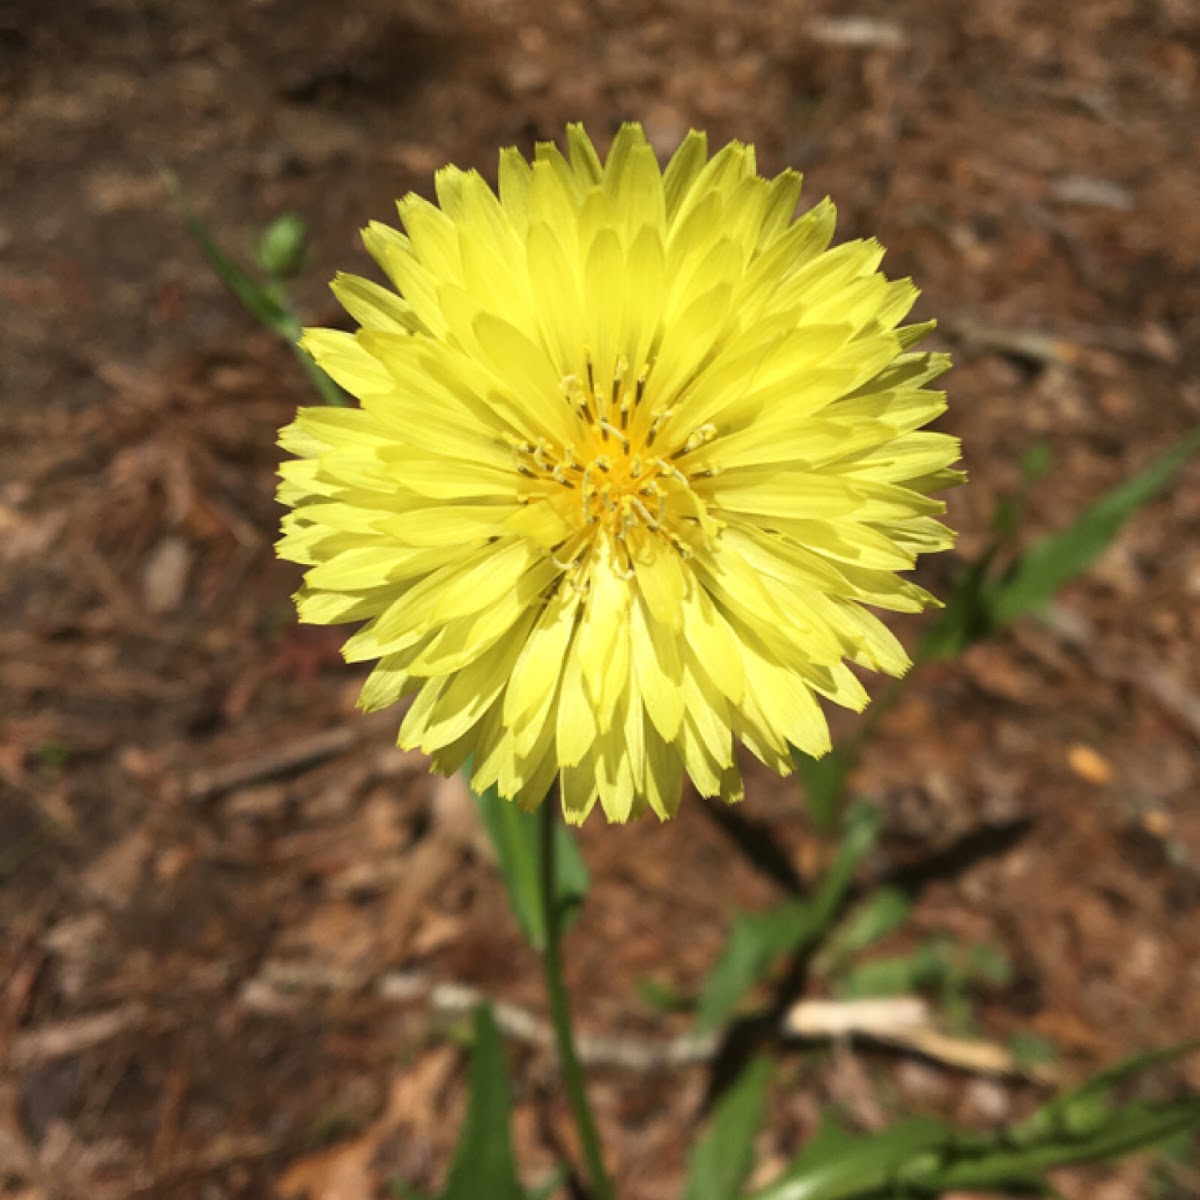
(936, 964)
(754, 944)
(1092, 1096)
(405, 1191)
(724, 1157)
(880, 914)
(1126, 1129)
(824, 781)
(836, 1165)
(926, 1158)
(484, 1164)
(928, 967)
(758, 940)
(662, 995)
(980, 603)
(1056, 560)
(987, 963)
(967, 616)
(1031, 1049)
(1009, 513)
(514, 835)
(258, 300)
(1038, 460)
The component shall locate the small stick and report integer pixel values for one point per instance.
(304, 752)
(901, 1022)
(62, 1039)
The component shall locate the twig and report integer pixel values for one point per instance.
(857, 33)
(62, 1039)
(905, 1023)
(1028, 345)
(1067, 348)
(304, 752)
(223, 1152)
(843, 1018)
(452, 1001)
(901, 1022)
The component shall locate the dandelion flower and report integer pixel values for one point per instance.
(635, 453)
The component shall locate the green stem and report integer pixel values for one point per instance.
(560, 1012)
(290, 329)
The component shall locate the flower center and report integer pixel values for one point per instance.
(619, 479)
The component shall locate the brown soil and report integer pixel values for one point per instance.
(225, 895)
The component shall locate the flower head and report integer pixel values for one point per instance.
(635, 448)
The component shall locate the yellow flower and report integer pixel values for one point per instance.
(634, 450)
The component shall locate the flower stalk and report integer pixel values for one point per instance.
(560, 1012)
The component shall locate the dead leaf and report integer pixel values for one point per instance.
(347, 1171)
(114, 876)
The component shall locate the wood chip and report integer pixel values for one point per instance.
(165, 576)
(1089, 764)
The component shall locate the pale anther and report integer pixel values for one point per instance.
(644, 512)
(667, 469)
(607, 428)
(657, 424)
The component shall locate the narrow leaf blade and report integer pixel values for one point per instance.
(967, 616)
(923, 1157)
(758, 940)
(824, 781)
(484, 1163)
(1129, 1128)
(1069, 1109)
(252, 295)
(880, 914)
(1056, 560)
(724, 1157)
(514, 835)
(839, 1166)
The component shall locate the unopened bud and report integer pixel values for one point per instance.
(281, 246)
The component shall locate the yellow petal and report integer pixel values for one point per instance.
(537, 670)
(340, 356)
(658, 668)
(372, 306)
